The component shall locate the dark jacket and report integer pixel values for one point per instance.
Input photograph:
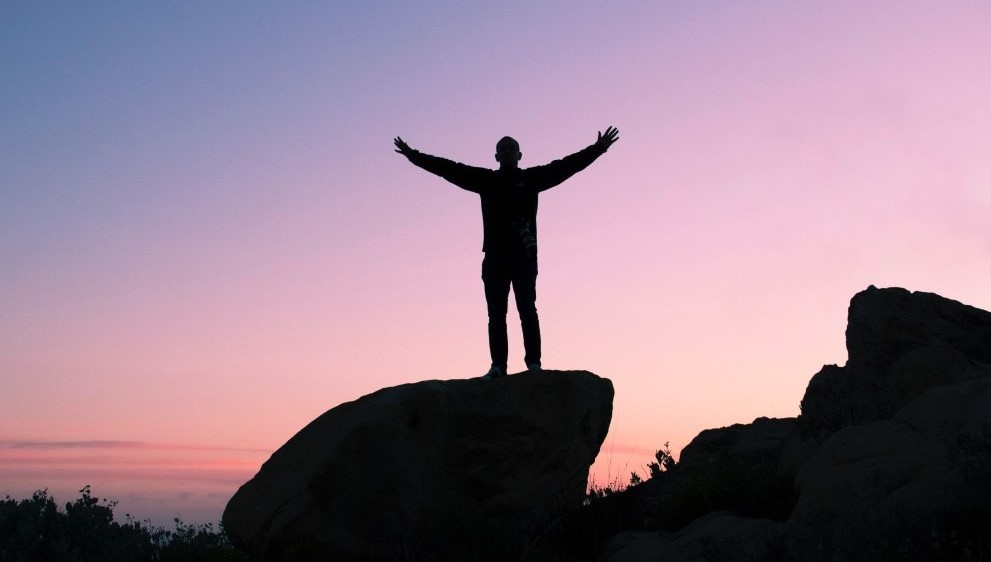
(507, 195)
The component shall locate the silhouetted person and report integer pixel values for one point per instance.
(509, 220)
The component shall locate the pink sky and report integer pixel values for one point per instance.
(206, 240)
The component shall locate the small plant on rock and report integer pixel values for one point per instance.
(665, 461)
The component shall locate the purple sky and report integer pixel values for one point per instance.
(206, 240)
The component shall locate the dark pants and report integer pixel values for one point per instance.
(498, 273)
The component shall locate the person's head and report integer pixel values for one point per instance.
(508, 153)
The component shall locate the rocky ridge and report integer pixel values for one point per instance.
(891, 455)
(890, 459)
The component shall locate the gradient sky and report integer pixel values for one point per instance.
(206, 239)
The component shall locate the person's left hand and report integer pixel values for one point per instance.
(611, 135)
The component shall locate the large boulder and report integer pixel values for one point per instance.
(745, 468)
(760, 442)
(719, 535)
(900, 344)
(409, 468)
(885, 324)
(917, 462)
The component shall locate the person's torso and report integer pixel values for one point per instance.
(509, 209)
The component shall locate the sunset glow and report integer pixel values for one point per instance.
(206, 239)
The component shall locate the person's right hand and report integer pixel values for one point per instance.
(611, 135)
(402, 147)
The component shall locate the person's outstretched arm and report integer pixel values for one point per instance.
(547, 176)
(466, 177)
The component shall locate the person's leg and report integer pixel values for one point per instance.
(496, 276)
(525, 291)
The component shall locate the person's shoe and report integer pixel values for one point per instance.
(534, 367)
(495, 372)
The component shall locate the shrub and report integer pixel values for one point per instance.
(85, 531)
(665, 461)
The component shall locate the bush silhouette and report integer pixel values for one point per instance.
(85, 531)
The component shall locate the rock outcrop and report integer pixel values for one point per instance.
(404, 469)
(890, 457)
(900, 344)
